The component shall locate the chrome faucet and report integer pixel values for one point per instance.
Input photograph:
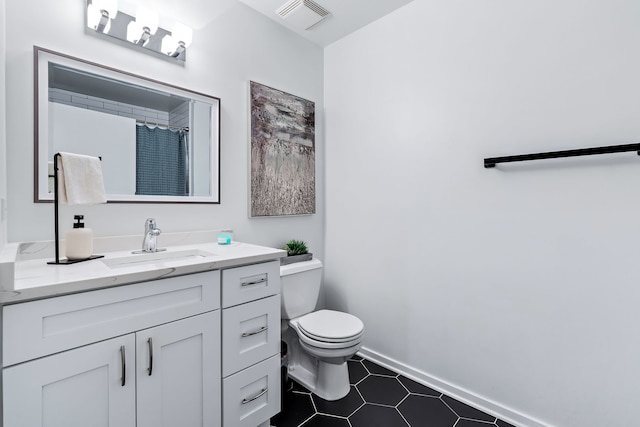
(151, 233)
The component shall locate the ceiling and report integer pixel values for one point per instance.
(346, 16)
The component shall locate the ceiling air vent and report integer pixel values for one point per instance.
(302, 14)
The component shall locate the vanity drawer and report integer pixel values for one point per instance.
(251, 282)
(250, 333)
(252, 396)
(38, 328)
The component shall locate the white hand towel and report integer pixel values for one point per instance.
(80, 180)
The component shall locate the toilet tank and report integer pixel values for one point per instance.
(300, 287)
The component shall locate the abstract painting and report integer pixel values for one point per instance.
(282, 153)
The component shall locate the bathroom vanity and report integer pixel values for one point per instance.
(188, 337)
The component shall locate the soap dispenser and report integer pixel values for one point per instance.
(78, 242)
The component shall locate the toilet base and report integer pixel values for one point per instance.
(330, 383)
(333, 382)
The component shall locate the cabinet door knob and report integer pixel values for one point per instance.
(124, 365)
(150, 343)
(251, 399)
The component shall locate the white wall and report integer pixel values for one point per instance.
(95, 133)
(516, 288)
(3, 134)
(238, 46)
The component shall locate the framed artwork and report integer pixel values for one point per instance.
(282, 153)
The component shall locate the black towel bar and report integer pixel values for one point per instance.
(491, 162)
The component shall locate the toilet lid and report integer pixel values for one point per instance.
(329, 325)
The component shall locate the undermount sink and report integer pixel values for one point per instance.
(154, 257)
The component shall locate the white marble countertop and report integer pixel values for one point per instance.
(34, 278)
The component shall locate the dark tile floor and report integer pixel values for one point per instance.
(379, 398)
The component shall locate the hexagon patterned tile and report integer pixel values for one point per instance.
(379, 398)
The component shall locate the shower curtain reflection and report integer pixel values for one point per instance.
(162, 161)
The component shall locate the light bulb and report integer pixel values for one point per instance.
(147, 18)
(182, 33)
(134, 31)
(93, 16)
(169, 44)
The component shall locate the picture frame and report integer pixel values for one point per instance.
(282, 146)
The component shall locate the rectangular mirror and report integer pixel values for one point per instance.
(158, 143)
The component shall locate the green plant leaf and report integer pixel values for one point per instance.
(296, 247)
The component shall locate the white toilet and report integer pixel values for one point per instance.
(319, 342)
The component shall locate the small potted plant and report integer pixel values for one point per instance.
(296, 252)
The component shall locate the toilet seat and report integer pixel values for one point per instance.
(329, 340)
(331, 353)
(329, 329)
(330, 325)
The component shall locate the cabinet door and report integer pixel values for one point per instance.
(178, 373)
(88, 386)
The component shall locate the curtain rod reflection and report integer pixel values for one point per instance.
(144, 122)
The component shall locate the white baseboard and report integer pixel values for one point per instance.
(465, 396)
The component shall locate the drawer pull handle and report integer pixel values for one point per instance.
(124, 365)
(150, 343)
(251, 399)
(254, 282)
(257, 331)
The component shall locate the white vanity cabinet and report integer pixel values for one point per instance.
(251, 344)
(145, 354)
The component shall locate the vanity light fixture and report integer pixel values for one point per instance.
(100, 13)
(141, 29)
